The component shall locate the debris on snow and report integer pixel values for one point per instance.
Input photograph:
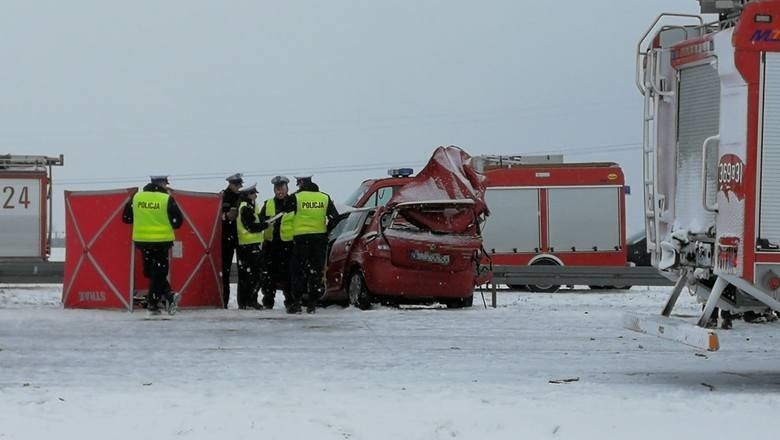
(569, 380)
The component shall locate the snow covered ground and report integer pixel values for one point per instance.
(383, 374)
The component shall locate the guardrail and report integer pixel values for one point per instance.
(31, 271)
(46, 272)
(576, 275)
(580, 275)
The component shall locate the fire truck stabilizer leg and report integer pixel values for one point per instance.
(712, 301)
(678, 286)
(674, 329)
(753, 291)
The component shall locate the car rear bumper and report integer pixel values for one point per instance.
(385, 279)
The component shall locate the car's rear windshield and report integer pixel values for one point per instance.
(436, 219)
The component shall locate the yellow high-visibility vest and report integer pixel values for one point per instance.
(285, 228)
(150, 217)
(244, 236)
(311, 213)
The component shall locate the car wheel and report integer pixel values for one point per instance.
(544, 288)
(359, 295)
(459, 303)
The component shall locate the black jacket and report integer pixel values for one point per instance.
(229, 200)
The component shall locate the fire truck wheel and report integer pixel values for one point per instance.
(359, 296)
(544, 288)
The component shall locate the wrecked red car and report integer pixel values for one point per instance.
(422, 245)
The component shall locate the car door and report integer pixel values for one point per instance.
(341, 248)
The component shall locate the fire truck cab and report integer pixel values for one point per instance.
(377, 192)
(711, 161)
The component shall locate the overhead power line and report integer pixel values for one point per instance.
(331, 169)
(256, 173)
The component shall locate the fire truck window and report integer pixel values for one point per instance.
(380, 197)
(383, 195)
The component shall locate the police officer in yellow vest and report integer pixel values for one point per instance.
(277, 244)
(250, 238)
(154, 216)
(314, 211)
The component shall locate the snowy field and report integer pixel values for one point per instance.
(383, 374)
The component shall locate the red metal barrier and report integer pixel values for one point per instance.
(102, 270)
(98, 250)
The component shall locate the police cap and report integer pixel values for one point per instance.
(280, 180)
(237, 179)
(301, 179)
(159, 179)
(249, 190)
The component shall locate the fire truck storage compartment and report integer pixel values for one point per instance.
(578, 219)
(699, 107)
(769, 202)
(513, 225)
(584, 219)
(23, 215)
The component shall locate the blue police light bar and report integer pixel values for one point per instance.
(400, 172)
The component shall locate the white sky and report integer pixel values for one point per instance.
(343, 89)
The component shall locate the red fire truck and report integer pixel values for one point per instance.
(544, 212)
(25, 188)
(711, 156)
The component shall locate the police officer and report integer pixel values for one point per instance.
(154, 216)
(313, 212)
(230, 201)
(250, 236)
(277, 245)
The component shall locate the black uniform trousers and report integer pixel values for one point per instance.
(308, 264)
(155, 261)
(250, 268)
(229, 243)
(276, 262)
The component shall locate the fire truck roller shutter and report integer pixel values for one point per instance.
(699, 113)
(513, 225)
(585, 218)
(769, 203)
